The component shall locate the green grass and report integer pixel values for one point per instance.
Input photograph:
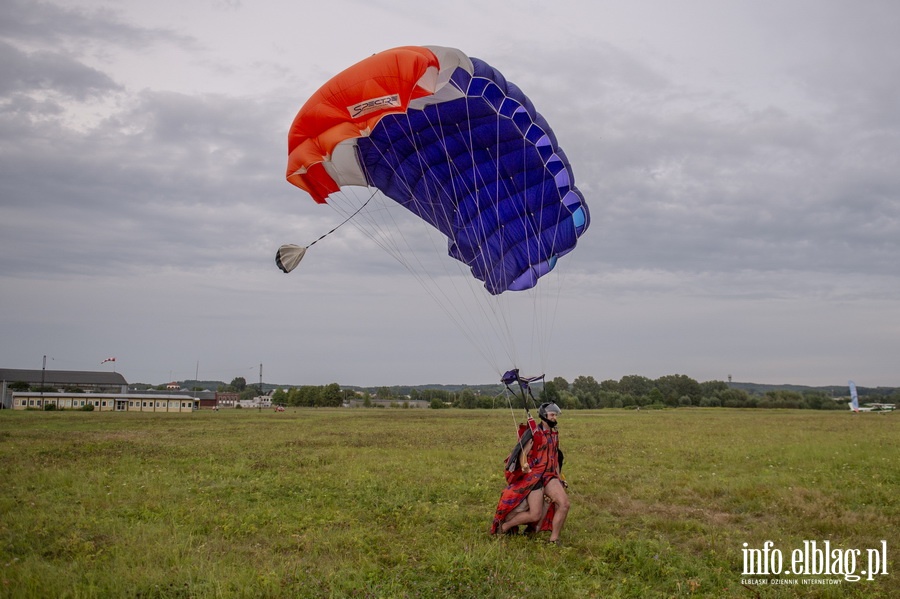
(397, 503)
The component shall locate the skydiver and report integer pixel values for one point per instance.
(537, 483)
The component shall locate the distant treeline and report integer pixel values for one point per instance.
(585, 392)
(678, 390)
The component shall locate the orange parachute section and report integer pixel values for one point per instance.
(349, 106)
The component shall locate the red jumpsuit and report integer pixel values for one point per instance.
(543, 458)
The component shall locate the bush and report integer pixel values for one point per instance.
(87, 408)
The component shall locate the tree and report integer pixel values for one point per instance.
(306, 395)
(782, 399)
(239, 383)
(710, 402)
(587, 391)
(550, 393)
(734, 398)
(331, 396)
(279, 397)
(561, 384)
(818, 400)
(610, 385)
(675, 386)
(567, 401)
(710, 388)
(635, 385)
(467, 399)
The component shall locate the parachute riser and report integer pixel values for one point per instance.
(524, 384)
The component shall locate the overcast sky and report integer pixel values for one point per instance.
(741, 161)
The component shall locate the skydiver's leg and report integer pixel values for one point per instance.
(546, 508)
(557, 493)
(536, 526)
(535, 504)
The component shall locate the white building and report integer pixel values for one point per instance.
(258, 402)
(104, 402)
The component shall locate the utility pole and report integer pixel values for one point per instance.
(260, 380)
(43, 371)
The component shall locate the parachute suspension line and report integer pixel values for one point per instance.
(497, 305)
(507, 392)
(540, 310)
(375, 232)
(491, 307)
(512, 352)
(389, 237)
(386, 239)
(468, 293)
(344, 222)
(550, 298)
(488, 307)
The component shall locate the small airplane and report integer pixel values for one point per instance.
(874, 407)
(867, 407)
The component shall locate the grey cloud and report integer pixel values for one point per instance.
(49, 71)
(719, 186)
(46, 24)
(163, 182)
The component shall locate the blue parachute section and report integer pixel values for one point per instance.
(486, 170)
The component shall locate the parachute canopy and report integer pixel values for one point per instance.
(447, 137)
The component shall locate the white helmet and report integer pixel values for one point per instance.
(547, 408)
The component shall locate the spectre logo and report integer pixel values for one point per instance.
(374, 105)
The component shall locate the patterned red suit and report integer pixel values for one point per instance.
(543, 458)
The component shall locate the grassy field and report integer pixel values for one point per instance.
(397, 503)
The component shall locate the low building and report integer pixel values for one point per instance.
(207, 398)
(64, 381)
(259, 402)
(104, 402)
(227, 399)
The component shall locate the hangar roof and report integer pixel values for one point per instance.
(61, 377)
